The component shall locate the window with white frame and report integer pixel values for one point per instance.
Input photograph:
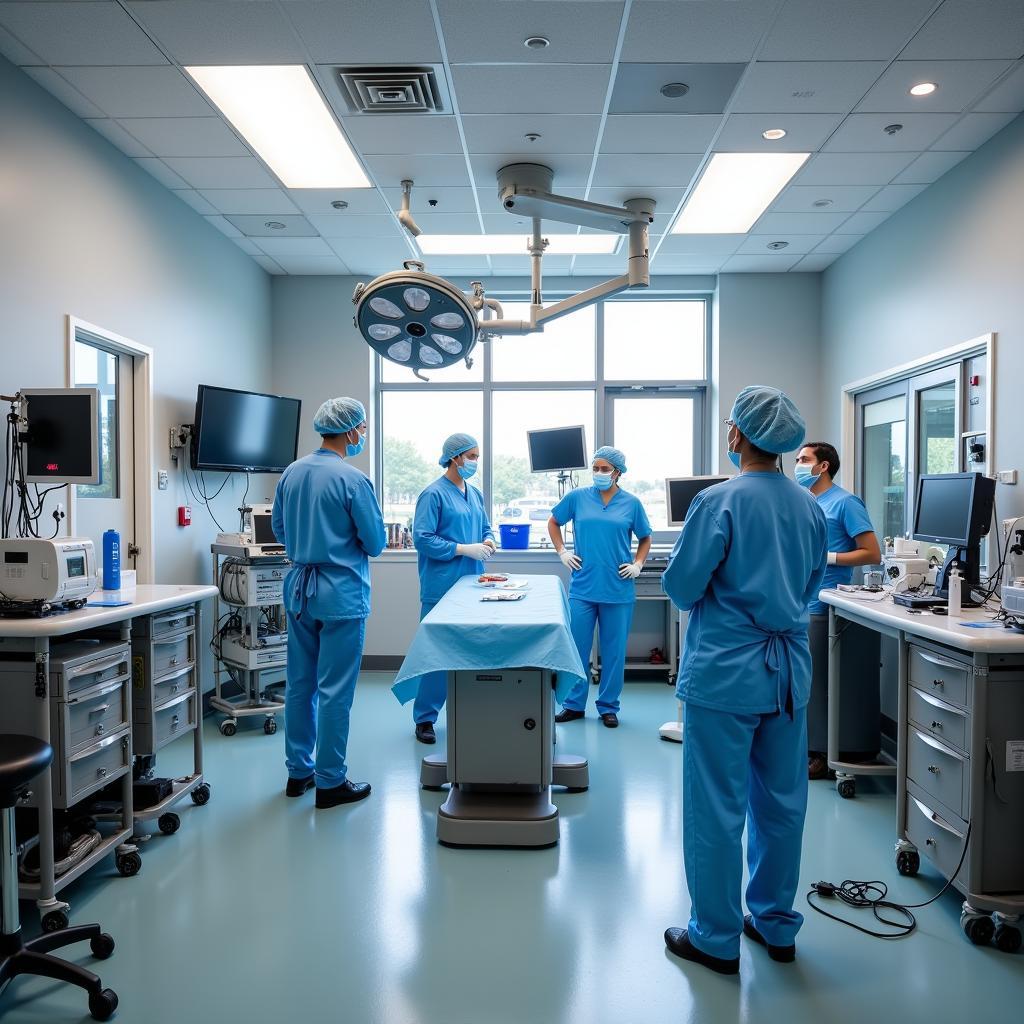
(632, 371)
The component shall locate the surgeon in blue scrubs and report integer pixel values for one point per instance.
(749, 560)
(602, 591)
(453, 538)
(327, 517)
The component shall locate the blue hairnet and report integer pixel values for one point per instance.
(455, 446)
(768, 419)
(612, 455)
(338, 416)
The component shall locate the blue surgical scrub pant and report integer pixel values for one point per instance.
(433, 686)
(323, 665)
(740, 768)
(613, 622)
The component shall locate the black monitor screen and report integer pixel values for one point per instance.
(551, 451)
(62, 437)
(238, 430)
(262, 531)
(682, 491)
(944, 508)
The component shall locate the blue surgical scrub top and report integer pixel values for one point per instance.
(749, 560)
(327, 517)
(604, 541)
(847, 518)
(446, 517)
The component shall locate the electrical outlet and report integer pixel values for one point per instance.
(162, 480)
(1007, 476)
(175, 439)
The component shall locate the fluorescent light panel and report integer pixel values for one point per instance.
(735, 189)
(516, 245)
(281, 114)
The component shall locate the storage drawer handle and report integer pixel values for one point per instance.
(176, 675)
(99, 710)
(939, 704)
(935, 819)
(103, 744)
(174, 722)
(942, 662)
(98, 666)
(101, 772)
(935, 745)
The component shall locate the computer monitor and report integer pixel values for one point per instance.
(261, 525)
(681, 490)
(557, 450)
(62, 435)
(955, 509)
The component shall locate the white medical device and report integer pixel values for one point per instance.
(39, 574)
(903, 574)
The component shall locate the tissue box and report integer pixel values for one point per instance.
(128, 582)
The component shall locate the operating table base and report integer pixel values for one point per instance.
(473, 818)
(567, 770)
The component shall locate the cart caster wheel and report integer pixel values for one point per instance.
(228, 727)
(102, 946)
(129, 865)
(846, 788)
(1007, 938)
(908, 862)
(270, 726)
(102, 1005)
(201, 794)
(169, 823)
(978, 929)
(55, 921)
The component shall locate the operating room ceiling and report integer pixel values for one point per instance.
(832, 73)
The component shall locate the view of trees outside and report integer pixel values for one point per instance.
(97, 369)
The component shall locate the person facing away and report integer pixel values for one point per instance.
(327, 517)
(750, 558)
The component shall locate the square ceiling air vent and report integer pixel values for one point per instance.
(393, 90)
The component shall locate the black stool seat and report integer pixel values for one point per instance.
(22, 758)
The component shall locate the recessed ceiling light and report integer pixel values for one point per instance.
(734, 190)
(923, 89)
(892, 129)
(516, 245)
(281, 113)
(777, 245)
(536, 43)
(673, 90)
(821, 203)
(774, 134)
(274, 225)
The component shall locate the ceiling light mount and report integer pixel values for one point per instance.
(674, 90)
(892, 129)
(773, 134)
(339, 204)
(923, 89)
(536, 42)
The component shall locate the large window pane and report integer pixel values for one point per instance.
(414, 426)
(95, 368)
(563, 351)
(652, 454)
(519, 495)
(884, 448)
(654, 341)
(937, 441)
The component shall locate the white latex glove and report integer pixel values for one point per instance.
(572, 562)
(629, 571)
(478, 552)
(490, 543)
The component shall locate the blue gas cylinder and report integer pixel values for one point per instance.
(111, 560)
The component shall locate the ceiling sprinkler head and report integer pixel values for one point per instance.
(892, 129)
(820, 204)
(536, 42)
(274, 225)
(673, 90)
(339, 204)
(777, 245)
(532, 136)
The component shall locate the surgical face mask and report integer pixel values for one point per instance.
(467, 469)
(804, 476)
(602, 481)
(351, 450)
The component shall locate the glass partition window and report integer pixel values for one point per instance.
(937, 437)
(655, 341)
(884, 448)
(563, 351)
(96, 368)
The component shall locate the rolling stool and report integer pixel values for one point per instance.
(22, 758)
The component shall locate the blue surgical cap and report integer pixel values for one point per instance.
(768, 419)
(455, 446)
(339, 416)
(612, 455)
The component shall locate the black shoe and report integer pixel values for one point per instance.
(425, 732)
(347, 793)
(296, 787)
(610, 720)
(568, 715)
(678, 942)
(780, 954)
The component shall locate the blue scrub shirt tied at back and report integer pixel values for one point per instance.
(847, 518)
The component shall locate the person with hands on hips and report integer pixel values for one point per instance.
(453, 538)
(602, 591)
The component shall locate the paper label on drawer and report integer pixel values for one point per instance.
(1015, 755)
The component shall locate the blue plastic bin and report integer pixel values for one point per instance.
(515, 536)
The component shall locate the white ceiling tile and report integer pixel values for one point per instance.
(758, 264)
(360, 200)
(842, 198)
(285, 225)
(571, 169)
(838, 243)
(892, 197)
(960, 83)
(807, 87)
(363, 32)
(928, 167)
(403, 133)
(223, 226)
(784, 224)
(311, 265)
(967, 28)
(221, 171)
(426, 170)
(706, 32)
(365, 255)
(972, 131)
(114, 133)
(700, 245)
(249, 200)
(138, 91)
(345, 225)
(215, 32)
(276, 247)
(815, 263)
(59, 87)
(559, 133)
(865, 133)
(269, 265)
(1008, 95)
(643, 172)
(80, 33)
(853, 168)
(668, 264)
(796, 245)
(249, 247)
(531, 89)
(196, 201)
(659, 133)
(185, 136)
(448, 199)
(842, 29)
(579, 33)
(15, 51)
(449, 266)
(161, 172)
(804, 132)
(861, 223)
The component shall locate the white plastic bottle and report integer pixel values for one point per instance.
(954, 593)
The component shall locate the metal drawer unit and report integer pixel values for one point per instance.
(940, 771)
(941, 675)
(943, 721)
(172, 719)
